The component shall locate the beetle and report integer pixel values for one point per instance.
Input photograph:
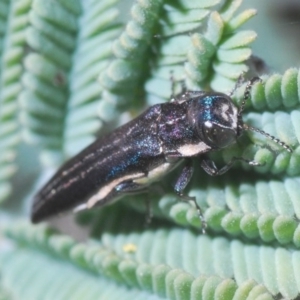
(131, 157)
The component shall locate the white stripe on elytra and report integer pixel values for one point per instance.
(104, 191)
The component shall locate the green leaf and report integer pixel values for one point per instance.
(202, 260)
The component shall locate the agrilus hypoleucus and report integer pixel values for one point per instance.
(131, 157)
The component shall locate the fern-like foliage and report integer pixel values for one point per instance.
(13, 24)
(70, 69)
(171, 263)
(60, 94)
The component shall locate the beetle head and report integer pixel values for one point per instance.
(215, 118)
(219, 122)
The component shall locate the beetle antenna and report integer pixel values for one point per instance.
(247, 94)
(239, 82)
(243, 104)
(269, 136)
(244, 126)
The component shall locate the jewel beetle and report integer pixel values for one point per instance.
(131, 157)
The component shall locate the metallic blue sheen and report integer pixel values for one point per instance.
(134, 160)
(209, 113)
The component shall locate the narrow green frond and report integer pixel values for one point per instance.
(14, 20)
(221, 49)
(52, 36)
(254, 209)
(155, 39)
(175, 264)
(93, 52)
(240, 19)
(276, 91)
(61, 92)
(177, 48)
(123, 79)
(48, 278)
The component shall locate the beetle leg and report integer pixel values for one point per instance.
(181, 183)
(128, 187)
(184, 178)
(210, 168)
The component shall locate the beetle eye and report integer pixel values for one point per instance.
(218, 136)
